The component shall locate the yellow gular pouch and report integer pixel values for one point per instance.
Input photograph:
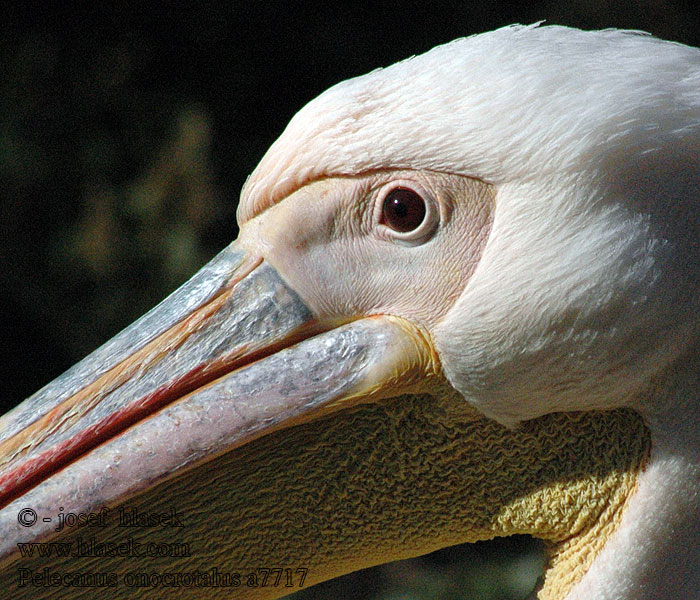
(573, 494)
(386, 481)
(421, 473)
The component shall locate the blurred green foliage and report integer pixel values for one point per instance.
(506, 569)
(112, 190)
(125, 137)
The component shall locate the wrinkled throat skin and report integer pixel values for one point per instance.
(352, 490)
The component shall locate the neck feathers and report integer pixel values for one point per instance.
(654, 553)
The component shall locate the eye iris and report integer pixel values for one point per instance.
(403, 210)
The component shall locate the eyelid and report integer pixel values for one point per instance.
(424, 231)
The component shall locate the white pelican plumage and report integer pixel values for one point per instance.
(463, 304)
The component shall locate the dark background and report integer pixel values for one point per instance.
(126, 136)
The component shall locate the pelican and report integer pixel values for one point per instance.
(463, 304)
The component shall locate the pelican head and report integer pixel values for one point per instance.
(463, 304)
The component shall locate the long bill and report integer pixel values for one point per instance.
(230, 356)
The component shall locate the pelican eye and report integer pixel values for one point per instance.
(407, 214)
(403, 210)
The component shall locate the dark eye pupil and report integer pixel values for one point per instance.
(403, 210)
